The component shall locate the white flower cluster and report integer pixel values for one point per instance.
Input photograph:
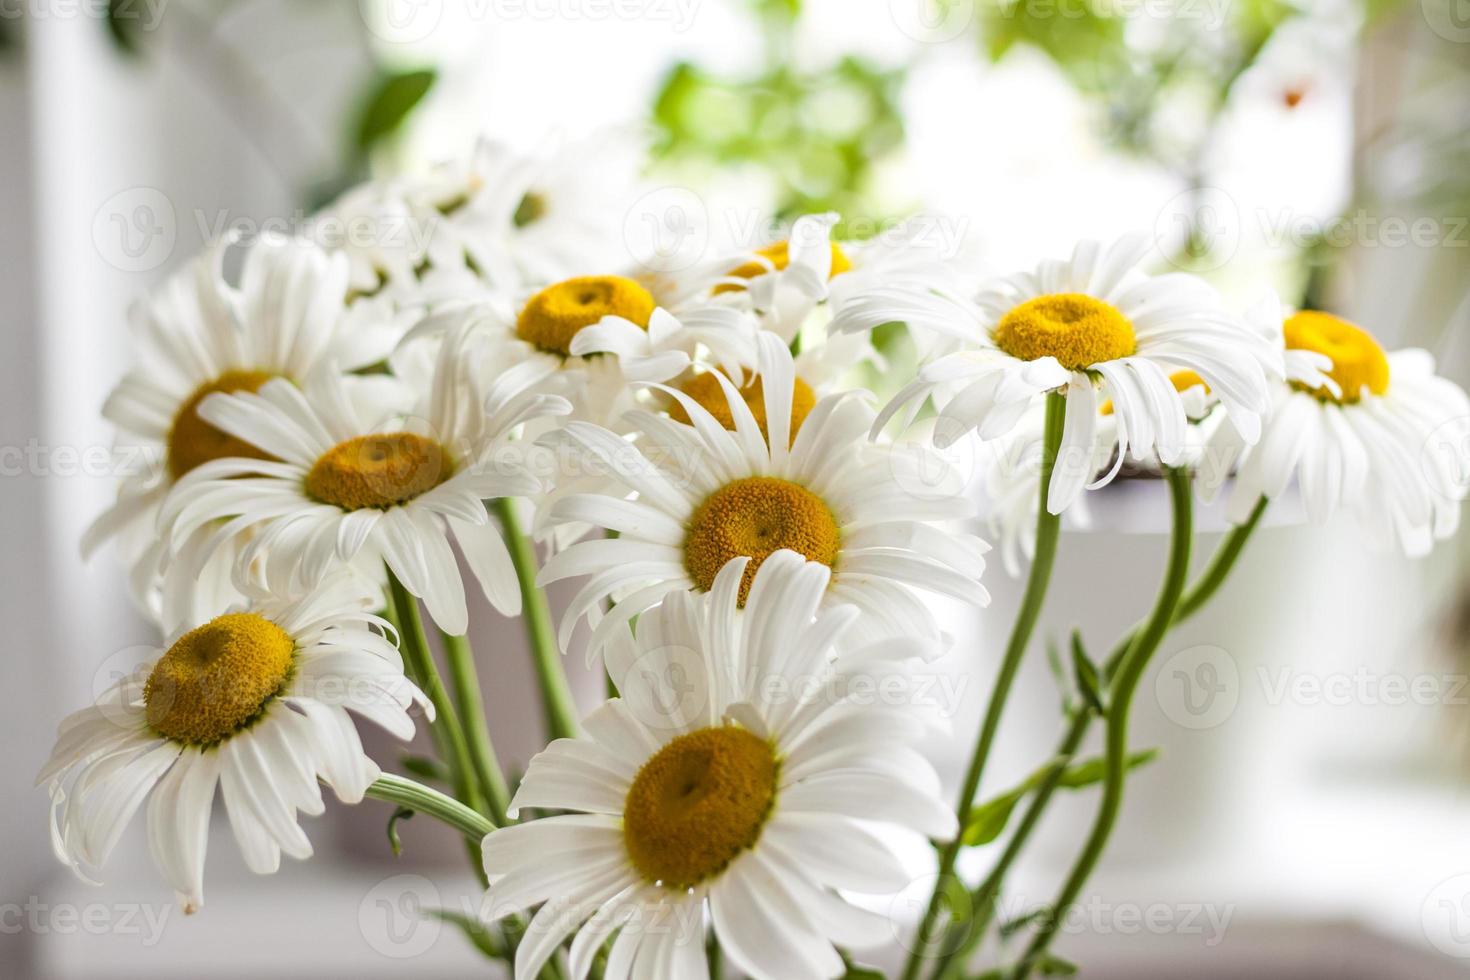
(341, 432)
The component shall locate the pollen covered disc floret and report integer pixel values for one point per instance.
(753, 518)
(1076, 329)
(552, 317)
(216, 678)
(698, 803)
(379, 470)
(706, 389)
(193, 442)
(1358, 361)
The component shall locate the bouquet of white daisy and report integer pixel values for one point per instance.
(347, 437)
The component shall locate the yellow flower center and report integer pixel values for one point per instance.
(1078, 330)
(756, 517)
(705, 389)
(1358, 361)
(378, 470)
(217, 678)
(1181, 380)
(553, 316)
(193, 442)
(779, 257)
(699, 802)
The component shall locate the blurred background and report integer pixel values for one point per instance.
(1308, 815)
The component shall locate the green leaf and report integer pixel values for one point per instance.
(425, 768)
(1085, 673)
(402, 813)
(390, 104)
(990, 818)
(1054, 661)
(856, 971)
(1052, 965)
(124, 25)
(1094, 770)
(1011, 926)
(488, 942)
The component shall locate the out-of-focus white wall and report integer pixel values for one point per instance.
(115, 170)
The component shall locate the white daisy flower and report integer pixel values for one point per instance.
(706, 494)
(786, 279)
(521, 219)
(372, 484)
(1355, 427)
(1094, 326)
(566, 330)
(384, 236)
(735, 776)
(255, 702)
(789, 280)
(198, 335)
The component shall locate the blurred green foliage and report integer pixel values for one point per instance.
(393, 97)
(819, 134)
(1203, 46)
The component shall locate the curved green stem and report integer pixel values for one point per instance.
(983, 901)
(423, 799)
(1048, 526)
(446, 731)
(486, 768)
(556, 695)
(1121, 689)
(448, 735)
(1204, 588)
(1220, 564)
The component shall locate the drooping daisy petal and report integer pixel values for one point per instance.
(246, 702)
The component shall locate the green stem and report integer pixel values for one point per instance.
(556, 695)
(448, 735)
(1204, 588)
(983, 902)
(1047, 529)
(486, 769)
(1220, 565)
(423, 799)
(1121, 689)
(402, 791)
